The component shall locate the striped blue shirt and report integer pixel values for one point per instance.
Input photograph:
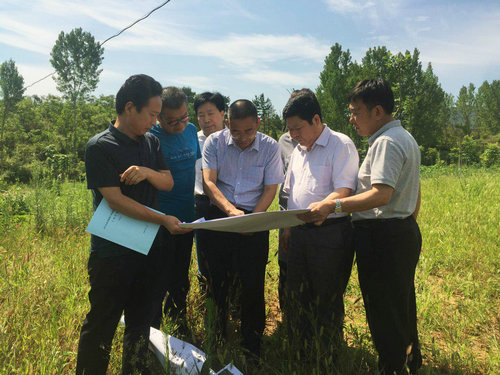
(242, 174)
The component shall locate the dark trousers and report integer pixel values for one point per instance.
(174, 277)
(121, 284)
(283, 265)
(234, 256)
(319, 265)
(202, 207)
(387, 253)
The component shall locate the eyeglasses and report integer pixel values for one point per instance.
(175, 122)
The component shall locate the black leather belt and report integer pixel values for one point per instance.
(330, 221)
(202, 197)
(369, 223)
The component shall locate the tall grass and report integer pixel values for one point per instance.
(43, 285)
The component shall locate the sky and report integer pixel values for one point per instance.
(244, 48)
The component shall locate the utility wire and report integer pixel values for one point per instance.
(111, 37)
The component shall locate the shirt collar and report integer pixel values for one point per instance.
(122, 136)
(383, 129)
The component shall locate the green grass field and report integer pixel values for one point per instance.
(43, 284)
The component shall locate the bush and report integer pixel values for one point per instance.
(491, 156)
(430, 156)
(468, 153)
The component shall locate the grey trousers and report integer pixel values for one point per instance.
(319, 266)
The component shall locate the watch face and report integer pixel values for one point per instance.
(338, 207)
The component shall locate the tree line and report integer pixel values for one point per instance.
(46, 135)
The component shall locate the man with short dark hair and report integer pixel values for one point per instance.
(241, 172)
(210, 109)
(322, 167)
(387, 238)
(125, 166)
(180, 148)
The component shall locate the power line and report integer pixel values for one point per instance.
(111, 37)
(133, 23)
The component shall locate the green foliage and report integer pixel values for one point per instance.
(466, 108)
(430, 156)
(491, 156)
(471, 150)
(419, 99)
(39, 129)
(488, 107)
(76, 57)
(11, 90)
(340, 74)
(270, 122)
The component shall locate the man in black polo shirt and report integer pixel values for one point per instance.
(125, 166)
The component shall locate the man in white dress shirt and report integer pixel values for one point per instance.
(323, 166)
(210, 110)
(387, 238)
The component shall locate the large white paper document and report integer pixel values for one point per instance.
(256, 222)
(134, 234)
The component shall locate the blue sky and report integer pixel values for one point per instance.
(244, 48)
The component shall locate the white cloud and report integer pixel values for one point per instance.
(348, 6)
(273, 77)
(32, 73)
(25, 35)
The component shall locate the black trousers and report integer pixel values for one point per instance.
(173, 284)
(234, 256)
(202, 208)
(319, 266)
(121, 284)
(387, 253)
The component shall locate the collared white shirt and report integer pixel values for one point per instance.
(312, 175)
(198, 185)
(242, 174)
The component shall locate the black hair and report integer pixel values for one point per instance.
(172, 98)
(304, 104)
(137, 89)
(373, 92)
(210, 97)
(242, 108)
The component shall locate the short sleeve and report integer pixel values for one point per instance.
(161, 164)
(345, 166)
(209, 157)
(286, 184)
(386, 163)
(99, 168)
(273, 172)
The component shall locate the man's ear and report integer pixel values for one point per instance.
(129, 106)
(379, 111)
(316, 120)
(258, 122)
(226, 121)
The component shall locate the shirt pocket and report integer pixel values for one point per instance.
(318, 179)
(254, 176)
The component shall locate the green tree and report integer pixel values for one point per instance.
(340, 74)
(76, 57)
(11, 89)
(488, 107)
(465, 105)
(269, 119)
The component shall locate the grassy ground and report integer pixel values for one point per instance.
(43, 284)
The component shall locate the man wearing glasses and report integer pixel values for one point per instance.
(179, 143)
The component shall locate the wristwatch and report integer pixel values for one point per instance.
(338, 206)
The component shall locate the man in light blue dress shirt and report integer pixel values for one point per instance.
(241, 172)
